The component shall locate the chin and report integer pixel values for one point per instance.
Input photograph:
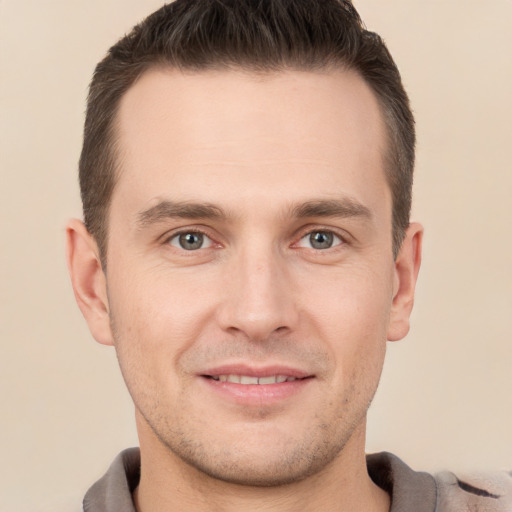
(260, 461)
(261, 473)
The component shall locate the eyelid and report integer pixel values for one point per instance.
(170, 235)
(207, 242)
(343, 237)
(337, 241)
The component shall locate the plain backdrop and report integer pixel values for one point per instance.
(444, 400)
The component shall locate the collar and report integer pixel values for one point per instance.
(409, 490)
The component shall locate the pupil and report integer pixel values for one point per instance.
(190, 241)
(321, 240)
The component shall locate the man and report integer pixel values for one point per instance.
(246, 248)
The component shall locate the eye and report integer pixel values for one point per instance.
(320, 240)
(191, 241)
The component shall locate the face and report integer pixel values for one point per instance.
(251, 283)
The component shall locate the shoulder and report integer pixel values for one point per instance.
(474, 492)
(413, 491)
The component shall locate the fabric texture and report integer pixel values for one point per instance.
(410, 491)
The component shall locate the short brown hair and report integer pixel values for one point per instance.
(255, 35)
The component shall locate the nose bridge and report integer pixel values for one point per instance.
(259, 299)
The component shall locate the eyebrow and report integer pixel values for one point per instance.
(340, 208)
(184, 210)
(345, 207)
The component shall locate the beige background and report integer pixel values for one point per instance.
(445, 394)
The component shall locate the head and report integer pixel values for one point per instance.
(200, 35)
(246, 179)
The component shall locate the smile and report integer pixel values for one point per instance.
(247, 379)
(251, 386)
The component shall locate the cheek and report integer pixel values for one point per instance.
(157, 300)
(350, 302)
(155, 319)
(351, 314)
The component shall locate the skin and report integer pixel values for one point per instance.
(258, 165)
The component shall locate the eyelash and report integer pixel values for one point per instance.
(343, 238)
(194, 231)
(336, 240)
(307, 232)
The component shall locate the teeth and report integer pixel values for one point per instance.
(246, 379)
(268, 380)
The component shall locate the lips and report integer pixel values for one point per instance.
(254, 386)
(249, 379)
(244, 374)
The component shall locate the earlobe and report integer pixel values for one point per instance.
(88, 280)
(407, 266)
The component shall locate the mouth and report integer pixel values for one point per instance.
(256, 386)
(253, 380)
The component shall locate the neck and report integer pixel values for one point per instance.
(168, 483)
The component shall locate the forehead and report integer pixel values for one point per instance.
(187, 132)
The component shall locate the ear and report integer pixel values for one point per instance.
(88, 280)
(407, 266)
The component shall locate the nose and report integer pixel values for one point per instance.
(259, 296)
